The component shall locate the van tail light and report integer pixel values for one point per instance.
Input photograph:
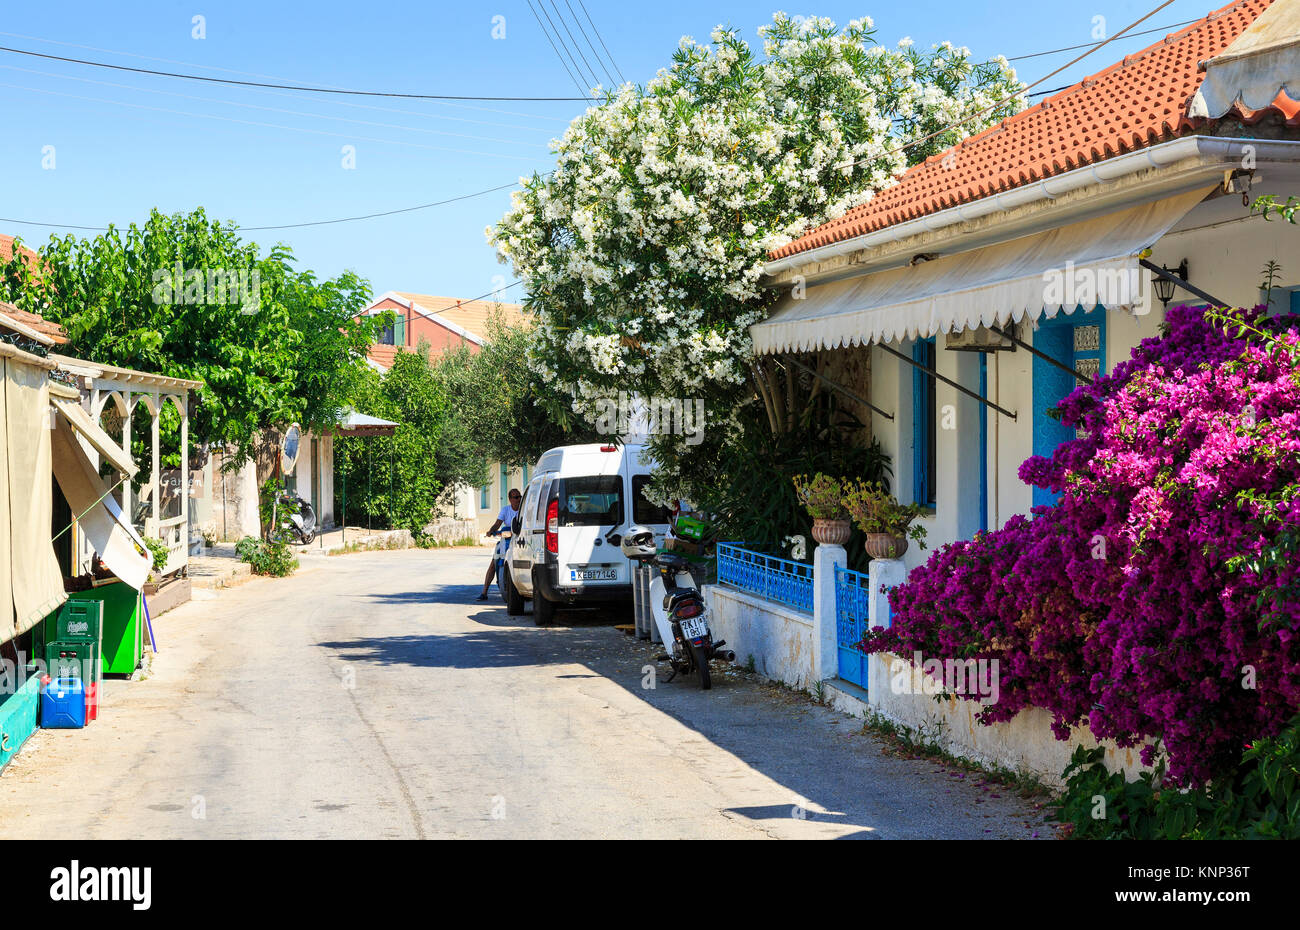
(609, 448)
(553, 526)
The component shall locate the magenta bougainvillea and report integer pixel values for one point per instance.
(1150, 602)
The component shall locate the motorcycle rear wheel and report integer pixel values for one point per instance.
(701, 659)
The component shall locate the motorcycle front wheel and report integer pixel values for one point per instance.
(701, 659)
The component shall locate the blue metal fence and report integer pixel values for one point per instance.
(852, 610)
(767, 576)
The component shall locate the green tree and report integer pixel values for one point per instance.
(183, 296)
(502, 409)
(396, 479)
(643, 251)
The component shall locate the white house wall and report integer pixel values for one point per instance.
(1226, 260)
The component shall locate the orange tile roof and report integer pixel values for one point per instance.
(382, 354)
(7, 250)
(34, 321)
(470, 315)
(1134, 103)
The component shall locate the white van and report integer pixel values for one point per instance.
(565, 548)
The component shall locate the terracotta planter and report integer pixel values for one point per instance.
(831, 532)
(885, 545)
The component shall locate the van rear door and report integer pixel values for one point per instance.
(589, 508)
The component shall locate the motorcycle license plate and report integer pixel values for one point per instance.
(593, 574)
(694, 628)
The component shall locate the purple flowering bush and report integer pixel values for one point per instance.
(1145, 602)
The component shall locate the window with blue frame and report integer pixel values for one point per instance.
(484, 496)
(1078, 342)
(924, 426)
(505, 483)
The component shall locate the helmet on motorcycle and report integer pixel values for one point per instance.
(639, 542)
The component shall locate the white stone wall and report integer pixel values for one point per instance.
(779, 639)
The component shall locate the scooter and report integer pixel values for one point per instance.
(502, 555)
(291, 516)
(677, 607)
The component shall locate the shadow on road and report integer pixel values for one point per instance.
(833, 773)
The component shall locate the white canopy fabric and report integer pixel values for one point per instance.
(1261, 63)
(99, 440)
(29, 571)
(98, 514)
(1081, 264)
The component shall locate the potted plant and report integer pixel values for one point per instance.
(887, 523)
(822, 496)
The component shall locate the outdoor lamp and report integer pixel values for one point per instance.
(1164, 288)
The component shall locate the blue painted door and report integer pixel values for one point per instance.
(1079, 341)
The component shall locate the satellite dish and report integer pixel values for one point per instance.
(289, 447)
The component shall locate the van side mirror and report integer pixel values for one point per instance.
(515, 524)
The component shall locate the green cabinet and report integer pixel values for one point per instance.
(123, 625)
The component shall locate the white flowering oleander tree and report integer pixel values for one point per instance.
(642, 251)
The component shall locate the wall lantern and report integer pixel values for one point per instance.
(1164, 287)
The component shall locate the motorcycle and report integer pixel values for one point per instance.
(677, 607)
(291, 517)
(503, 566)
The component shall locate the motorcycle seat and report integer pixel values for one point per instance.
(674, 596)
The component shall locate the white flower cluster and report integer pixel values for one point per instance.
(642, 251)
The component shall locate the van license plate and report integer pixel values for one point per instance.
(593, 574)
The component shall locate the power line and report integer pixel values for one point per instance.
(595, 54)
(1020, 93)
(190, 64)
(254, 106)
(344, 219)
(595, 79)
(249, 122)
(541, 5)
(1131, 35)
(298, 87)
(576, 82)
(602, 42)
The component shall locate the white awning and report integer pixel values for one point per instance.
(1082, 264)
(98, 514)
(1259, 69)
(99, 440)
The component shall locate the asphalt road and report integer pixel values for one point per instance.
(370, 696)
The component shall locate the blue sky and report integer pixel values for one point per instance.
(123, 143)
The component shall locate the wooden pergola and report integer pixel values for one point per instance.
(127, 388)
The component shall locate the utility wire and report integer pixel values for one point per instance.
(595, 54)
(274, 77)
(1020, 93)
(299, 87)
(254, 106)
(541, 5)
(344, 219)
(1071, 48)
(248, 122)
(602, 42)
(554, 48)
(1090, 46)
(595, 79)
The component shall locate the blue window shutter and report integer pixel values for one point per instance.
(924, 452)
(505, 482)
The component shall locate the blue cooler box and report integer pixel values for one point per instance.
(63, 704)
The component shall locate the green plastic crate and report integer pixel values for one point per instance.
(18, 715)
(77, 620)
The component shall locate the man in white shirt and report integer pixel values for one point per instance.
(504, 518)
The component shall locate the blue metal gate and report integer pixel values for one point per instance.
(852, 606)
